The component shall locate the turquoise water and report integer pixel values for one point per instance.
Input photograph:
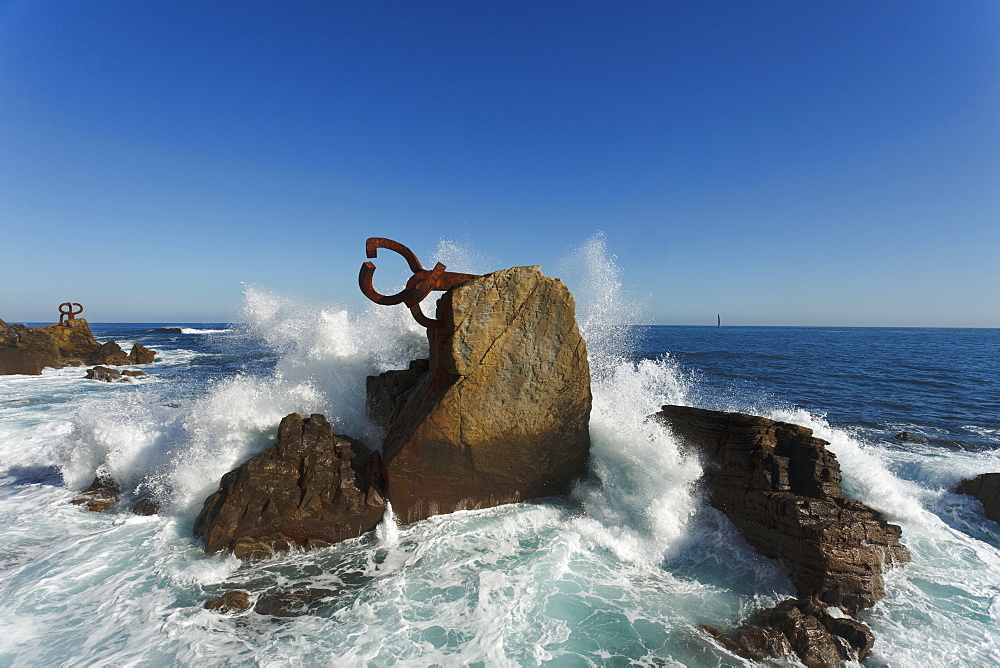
(621, 573)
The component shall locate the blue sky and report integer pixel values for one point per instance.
(780, 163)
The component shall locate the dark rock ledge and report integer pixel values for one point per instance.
(781, 487)
(985, 488)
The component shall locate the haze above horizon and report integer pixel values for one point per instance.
(780, 163)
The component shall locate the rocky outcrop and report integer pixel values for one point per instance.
(781, 487)
(140, 354)
(310, 489)
(103, 493)
(986, 488)
(797, 630)
(74, 339)
(28, 350)
(108, 353)
(501, 413)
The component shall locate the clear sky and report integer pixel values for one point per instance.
(780, 163)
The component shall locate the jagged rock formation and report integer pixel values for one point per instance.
(800, 630)
(310, 489)
(140, 354)
(986, 488)
(502, 412)
(108, 353)
(28, 350)
(781, 487)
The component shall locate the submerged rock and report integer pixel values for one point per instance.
(291, 603)
(103, 493)
(109, 375)
(907, 437)
(986, 488)
(781, 487)
(106, 374)
(310, 489)
(502, 412)
(798, 630)
(231, 601)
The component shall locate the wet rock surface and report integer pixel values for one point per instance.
(781, 487)
(986, 488)
(799, 630)
(292, 603)
(310, 489)
(230, 602)
(102, 494)
(502, 412)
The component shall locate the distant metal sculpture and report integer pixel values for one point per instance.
(421, 284)
(66, 312)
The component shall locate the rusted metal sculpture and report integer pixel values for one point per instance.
(66, 312)
(421, 284)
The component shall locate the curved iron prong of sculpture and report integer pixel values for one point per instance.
(66, 312)
(421, 284)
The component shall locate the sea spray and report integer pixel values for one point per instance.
(623, 573)
(639, 498)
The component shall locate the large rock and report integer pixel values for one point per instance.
(26, 350)
(74, 339)
(108, 353)
(141, 354)
(781, 487)
(502, 413)
(986, 488)
(310, 489)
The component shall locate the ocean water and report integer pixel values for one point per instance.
(621, 573)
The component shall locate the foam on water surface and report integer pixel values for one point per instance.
(623, 572)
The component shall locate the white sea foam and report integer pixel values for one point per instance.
(194, 330)
(622, 574)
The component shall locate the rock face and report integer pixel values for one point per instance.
(802, 630)
(108, 353)
(781, 487)
(28, 350)
(141, 354)
(103, 493)
(310, 489)
(501, 413)
(986, 488)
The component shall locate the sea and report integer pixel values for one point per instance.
(626, 571)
